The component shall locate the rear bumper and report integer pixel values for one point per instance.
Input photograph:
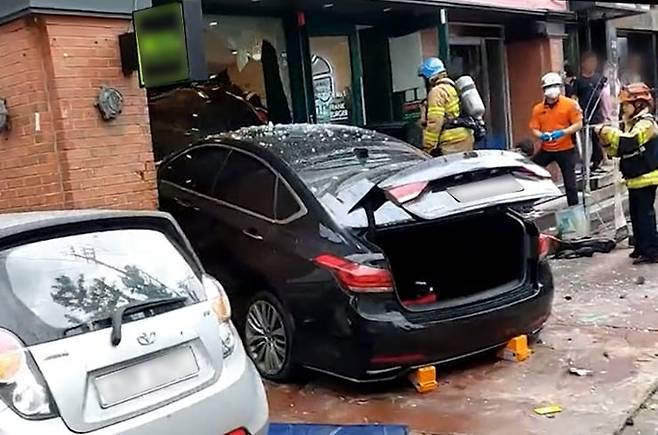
(386, 346)
(236, 400)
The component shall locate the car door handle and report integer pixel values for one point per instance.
(252, 234)
(185, 204)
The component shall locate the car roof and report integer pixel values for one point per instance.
(295, 143)
(271, 135)
(258, 131)
(17, 223)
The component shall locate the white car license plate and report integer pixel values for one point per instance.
(485, 189)
(169, 368)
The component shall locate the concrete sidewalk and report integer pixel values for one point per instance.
(603, 321)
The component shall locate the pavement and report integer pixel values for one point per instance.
(605, 320)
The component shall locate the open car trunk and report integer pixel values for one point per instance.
(455, 261)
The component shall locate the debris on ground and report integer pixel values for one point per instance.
(606, 354)
(580, 372)
(359, 401)
(549, 410)
(594, 318)
(630, 421)
(640, 280)
(568, 298)
(583, 247)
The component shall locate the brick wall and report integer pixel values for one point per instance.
(30, 168)
(82, 161)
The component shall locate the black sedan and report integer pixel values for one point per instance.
(352, 253)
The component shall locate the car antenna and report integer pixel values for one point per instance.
(361, 153)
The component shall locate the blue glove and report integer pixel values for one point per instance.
(545, 137)
(557, 134)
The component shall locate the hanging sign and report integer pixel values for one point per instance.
(165, 52)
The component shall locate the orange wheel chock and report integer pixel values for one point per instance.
(424, 379)
(516, 349)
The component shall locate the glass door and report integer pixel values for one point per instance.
(484, 60)
(334, 62)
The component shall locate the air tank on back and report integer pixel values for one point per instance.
(472, 104)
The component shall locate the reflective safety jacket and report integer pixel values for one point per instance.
(637, 146)
(443, 104)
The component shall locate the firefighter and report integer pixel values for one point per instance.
(637, 146)
(554, 120)
(443, 108)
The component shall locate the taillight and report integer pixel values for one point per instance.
(544, 245)
(218, 300)
(22, 387)
(534, 171)
(357, 277)
(407, 192)
(12, 358)
(221, 307)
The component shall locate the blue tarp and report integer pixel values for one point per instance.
(327, 429)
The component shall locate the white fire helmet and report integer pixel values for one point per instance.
(551, 79)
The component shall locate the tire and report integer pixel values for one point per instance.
(268, 332)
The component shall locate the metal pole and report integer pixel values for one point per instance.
(621, 225)
(587, 146)
(444, 37)
(587, 149)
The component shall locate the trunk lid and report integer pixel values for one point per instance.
(159, 359)
(449, 185)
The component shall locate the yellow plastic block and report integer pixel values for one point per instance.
(516, 349)
(548, 410)
(424, 379)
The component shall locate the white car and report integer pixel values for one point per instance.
(109, 325)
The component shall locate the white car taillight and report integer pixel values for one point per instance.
(22, 387)
(222, 309)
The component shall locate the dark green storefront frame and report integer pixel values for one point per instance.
(321, 26)
(299, 28)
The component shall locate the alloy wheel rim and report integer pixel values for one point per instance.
(266, 338)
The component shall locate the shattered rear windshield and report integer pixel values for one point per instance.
(331, 158)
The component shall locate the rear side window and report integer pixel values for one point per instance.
(196, 169)
(247, 183)
(55, 285)
(286, 204)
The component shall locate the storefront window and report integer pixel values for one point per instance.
(407, 53)
(247, 55)
(332, 79)
(248, 84)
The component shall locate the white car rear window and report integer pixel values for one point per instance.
(61, 283)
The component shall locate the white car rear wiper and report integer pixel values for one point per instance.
(133, 307)
(116, 318)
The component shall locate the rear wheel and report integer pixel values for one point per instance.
(268, 331)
